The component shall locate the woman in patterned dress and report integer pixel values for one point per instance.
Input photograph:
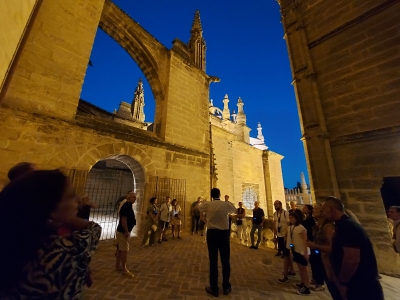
(36, 262)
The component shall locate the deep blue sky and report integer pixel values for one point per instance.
(245, 49)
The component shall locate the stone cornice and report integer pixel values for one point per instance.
(101, 126)
(366, 136)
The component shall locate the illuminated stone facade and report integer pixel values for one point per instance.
(246, 168)
(44, 121)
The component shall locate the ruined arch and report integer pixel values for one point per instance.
(144, 49)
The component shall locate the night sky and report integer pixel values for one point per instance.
(245, 49)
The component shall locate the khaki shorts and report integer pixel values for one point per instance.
(122, 241)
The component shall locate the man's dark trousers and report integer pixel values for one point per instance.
(195, 223)
(218, 240)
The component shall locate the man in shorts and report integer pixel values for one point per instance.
(126, 223)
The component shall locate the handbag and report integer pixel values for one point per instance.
(239, 222)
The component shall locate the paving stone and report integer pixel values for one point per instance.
(178, 270)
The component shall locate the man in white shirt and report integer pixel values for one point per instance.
(217, 212)
(394, 215)
(281, 225)
(281, 222)
(165, 218)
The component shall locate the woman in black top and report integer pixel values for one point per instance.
(309, 221)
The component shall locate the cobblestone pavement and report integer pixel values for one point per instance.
(178, 269)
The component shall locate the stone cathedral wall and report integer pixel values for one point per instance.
(14, 16)
(52, 143)
(39, 102)
(241, 166)
(345, 58)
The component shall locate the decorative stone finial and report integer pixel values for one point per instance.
(241, 117)
(196, 26)
(303, 182)
(211, 102)
(197, 45)
(138, 103)
(259, 132)
(234, 115)
(226, 114)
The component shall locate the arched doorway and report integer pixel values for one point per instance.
(108, 182)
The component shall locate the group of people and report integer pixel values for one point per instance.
(46, 247)
(59, 241)
(159, 220)
(325, 236)
(334, 244)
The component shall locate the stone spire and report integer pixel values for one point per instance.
(241, 117)
(259, 132)
(196, 26)
(226, 114)
(303, 183)
(197, 45)
(138, 103)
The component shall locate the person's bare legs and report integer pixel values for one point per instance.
(179, 231)
(118, 261)
(286, 262)
(125, 271)
(161, 231)
(123, 257)
(290, 266)
(173, 231)
(164, 232)
(305, 279)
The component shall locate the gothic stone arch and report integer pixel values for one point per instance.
(135, 158)
(48, 74)
(144, 49)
